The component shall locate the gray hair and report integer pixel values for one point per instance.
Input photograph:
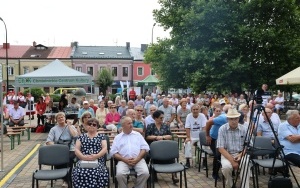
(123, 119)
(290, 113)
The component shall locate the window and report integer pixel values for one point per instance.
(125, 71)
(90, 70)
(152, 72)
(10, 71)
(26, 70)
(114, 71)
(140, 71)
(78, 69)
(101, 68)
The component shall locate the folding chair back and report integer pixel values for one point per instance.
(202, 138)
(164, 150)
(262, 146)
(53, 155)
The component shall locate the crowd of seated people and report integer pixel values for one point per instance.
(145, 119)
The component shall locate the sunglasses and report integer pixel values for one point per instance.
(139, 110)
(92, 124)
(112, 107)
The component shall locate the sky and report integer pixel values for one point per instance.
(90, 22)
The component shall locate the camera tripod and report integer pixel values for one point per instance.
(251, 152)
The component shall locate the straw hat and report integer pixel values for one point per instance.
(233, 113)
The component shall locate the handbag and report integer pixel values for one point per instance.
(64, 142)
(40, 129)
(88, 164)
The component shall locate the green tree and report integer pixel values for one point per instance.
(225, 45)
(104, 79)
(35, 92)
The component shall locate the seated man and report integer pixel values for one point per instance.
(230, 143)
(129, 148)
(279, 101)
(74, 106)
(289, 136)
(16, 115)
(137, 125)
(264, 127)
(85, 107)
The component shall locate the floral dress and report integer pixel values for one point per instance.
(90, 177)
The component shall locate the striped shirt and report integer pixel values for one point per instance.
(232, 140)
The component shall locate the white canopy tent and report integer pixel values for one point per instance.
(290, 78)
(54, 74)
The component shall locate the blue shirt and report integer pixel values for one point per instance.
(265, 128)
(284, 130)
(82, 110)
(218, 122)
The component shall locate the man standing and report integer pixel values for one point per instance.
(129, 148)
(16, 115)
(289, 136)
(100, 97)
(132, 94)
(148, 104)
(230, 143)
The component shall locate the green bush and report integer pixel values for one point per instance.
(112, 97)
(35, 92)
(55, 98)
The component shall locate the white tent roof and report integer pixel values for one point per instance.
(54, 74)
(290, 78)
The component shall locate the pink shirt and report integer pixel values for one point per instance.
(112, 117)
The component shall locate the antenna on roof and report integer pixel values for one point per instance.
(116, 41)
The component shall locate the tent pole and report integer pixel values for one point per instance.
(2, 151)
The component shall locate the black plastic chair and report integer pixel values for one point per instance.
(202, 139)
(263, 146)
(165, 150)
(52, 155)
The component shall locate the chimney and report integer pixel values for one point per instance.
(128, 45)
(6, 45)
(75, 43)
(144, 47)
(34, 44)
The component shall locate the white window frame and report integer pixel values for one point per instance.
(123, 71)
(78, 68)
(138, 71)
(10, 71)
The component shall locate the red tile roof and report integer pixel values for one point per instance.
(14, 51)
(60, 52)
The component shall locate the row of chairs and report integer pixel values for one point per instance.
(54, 155)
(262, 146)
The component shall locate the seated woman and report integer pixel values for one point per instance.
(101, 113)
(49, 109)
(83, 128)
(159, 131)
(63, 131)
(91, 146)
(112, 119)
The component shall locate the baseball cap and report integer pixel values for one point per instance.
(85, 102)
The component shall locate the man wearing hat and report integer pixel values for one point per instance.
(85, 107)
(230, 144)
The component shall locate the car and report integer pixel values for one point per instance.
(296, 97)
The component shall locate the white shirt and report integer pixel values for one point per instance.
(129, 145)
(100, 98)
(148, 120)
(279, 99)
(275, 119)
(195, 125)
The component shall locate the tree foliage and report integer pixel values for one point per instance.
(225, 44)
(104, 79)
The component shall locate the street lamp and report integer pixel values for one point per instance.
(6, 51)
(152, 33)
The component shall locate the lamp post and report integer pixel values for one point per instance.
(6, 51)
(152, 33)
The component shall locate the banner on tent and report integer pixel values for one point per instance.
(45, 81)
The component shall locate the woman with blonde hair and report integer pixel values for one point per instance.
(101, 113)
(84, 122)
(118, 102)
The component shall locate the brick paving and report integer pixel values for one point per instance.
(22, 178)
